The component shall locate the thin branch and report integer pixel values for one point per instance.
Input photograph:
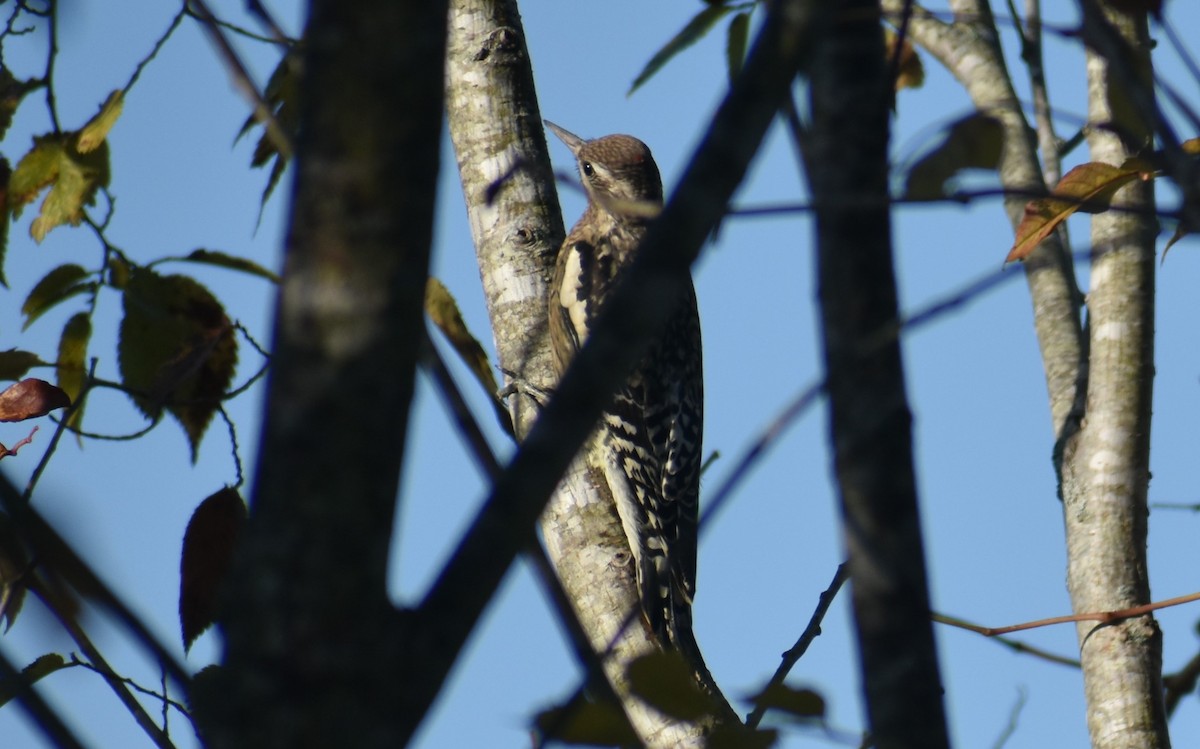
(241, 78)
(1011, 726)
(233, 443)
(58, 433)
(51, 56)
(43, 716)
(159, 696)
(158, 45)
(810, 633)
(277, 37)
(71, 624)
(1104, 617)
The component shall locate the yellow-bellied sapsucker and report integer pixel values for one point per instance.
(652, 431)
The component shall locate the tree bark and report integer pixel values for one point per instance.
(1106, 468)
(870, 422)
(312, 645)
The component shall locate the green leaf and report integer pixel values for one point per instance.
(14, 363)
(232, 262)
(696, 28)
(735, 44)
(739, 737)
(72, 361)
(444, 312)
(96, 130)
(587, 724)
(176, 351)
(973, 142)
(665, 681)
(282, 96)
(797, 703)
(58, 285)
(39, 669)
(74, 179)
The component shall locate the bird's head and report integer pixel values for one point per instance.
(618, 172)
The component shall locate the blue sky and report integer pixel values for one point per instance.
(992, 522)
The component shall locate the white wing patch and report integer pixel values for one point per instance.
(569, 296)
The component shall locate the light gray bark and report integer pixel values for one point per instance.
(1106, 471)
(517, 228)
(1100, 384)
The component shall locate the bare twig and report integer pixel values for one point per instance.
(158, 45)
(241, 77)
(810, 633)
(58, 433)
(1104, 617)
(71, 624)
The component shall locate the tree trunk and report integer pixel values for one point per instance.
(870, 426)
(313, 645)
(1106, 467)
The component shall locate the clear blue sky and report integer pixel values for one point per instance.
(992, 522)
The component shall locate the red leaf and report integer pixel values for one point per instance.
(31, 398)
(208, 546)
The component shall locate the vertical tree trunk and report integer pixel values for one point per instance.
(1106, 467)
(870, 420)
(312, 643)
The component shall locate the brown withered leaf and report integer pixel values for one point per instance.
(31, 398)
(1088, 187)
(208, 545)
(910, 72)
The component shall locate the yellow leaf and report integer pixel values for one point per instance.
(36, 169)
(97, 128)
(1088, 188)
(444, 312)
(74, 178)
(72, 361)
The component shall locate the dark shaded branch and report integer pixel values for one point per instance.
(315, 653)
(870, 422)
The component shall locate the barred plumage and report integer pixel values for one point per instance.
(653, 429)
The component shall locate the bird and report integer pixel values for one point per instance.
(653, 429)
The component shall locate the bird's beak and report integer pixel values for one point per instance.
(573, 141)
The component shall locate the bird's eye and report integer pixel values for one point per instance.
(588, 170)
